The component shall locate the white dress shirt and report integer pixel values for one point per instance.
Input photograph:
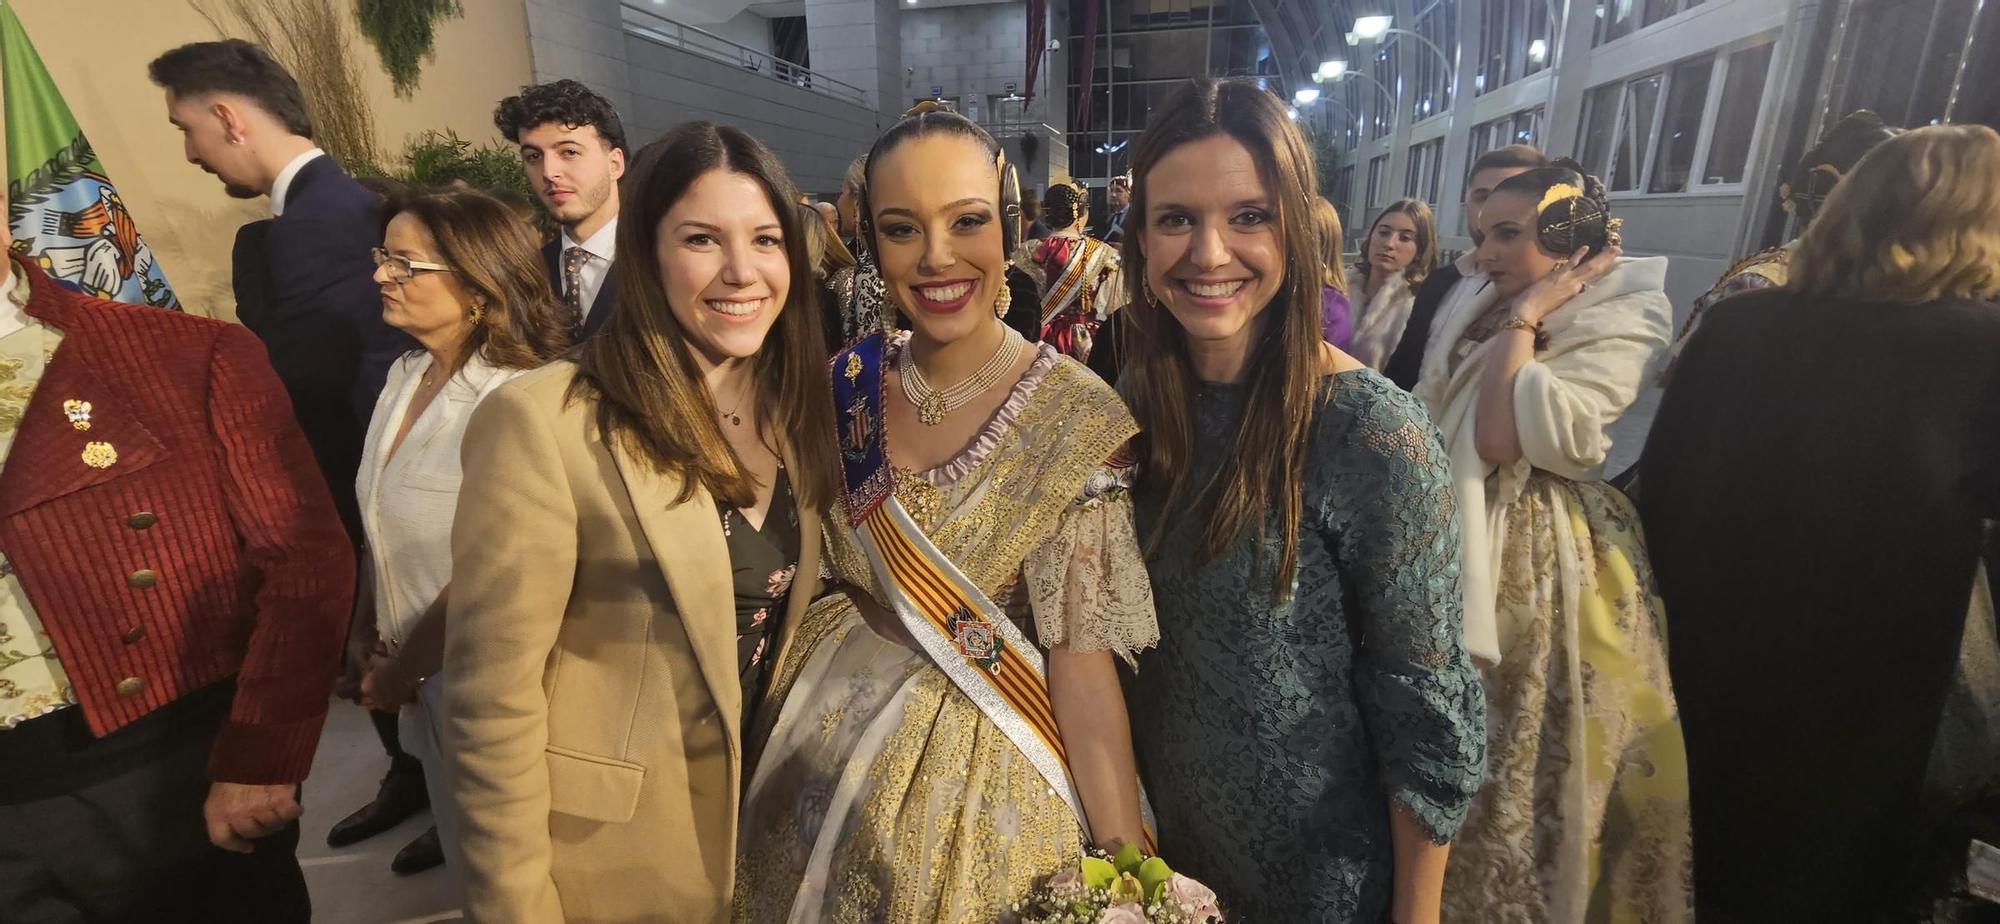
(408, 501)
(283, 184)
(590, 278)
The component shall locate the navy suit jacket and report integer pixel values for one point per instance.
(304, 286)
(607, 294)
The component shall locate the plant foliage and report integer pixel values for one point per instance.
(404, 33)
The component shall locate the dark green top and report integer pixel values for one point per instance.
(1272, 734)
(763, 563)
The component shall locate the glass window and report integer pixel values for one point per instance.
(1421, 182)
(1680, 126)
(1431, 89)
(1376, 168)
(1635, 131)
(1600, 123)
(1736, 117)
(1615, 20)
(1384, 71)
(1515, 40)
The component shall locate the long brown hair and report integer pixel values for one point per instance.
(1283, 372)
(495, 255)
(1427, 252)
(1918, 219)
(1326, 223)
(640, 369)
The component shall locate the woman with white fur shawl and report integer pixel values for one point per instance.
(1584, 814)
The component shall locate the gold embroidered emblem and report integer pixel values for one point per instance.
(853, 370)
(78, 413)
(99, 455)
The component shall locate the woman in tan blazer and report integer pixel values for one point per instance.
(627, 536)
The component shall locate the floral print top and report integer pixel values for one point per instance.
(763, 561)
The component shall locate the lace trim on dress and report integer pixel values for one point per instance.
(950, 472)
(1086, 582)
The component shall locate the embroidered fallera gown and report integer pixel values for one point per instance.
(883, 793)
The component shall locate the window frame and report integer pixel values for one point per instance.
(1718, 77)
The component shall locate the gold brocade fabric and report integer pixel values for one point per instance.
(32, 681)
(1584, 812)
(883, 794)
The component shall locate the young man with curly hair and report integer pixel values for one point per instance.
(573, 149)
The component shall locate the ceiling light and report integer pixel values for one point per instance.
(1370, 28)
(1307, 96)
(1293, 112)
(1331, 70)
(1538, 50)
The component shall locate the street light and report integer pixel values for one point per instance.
(1330, 70)
(1370, 28)
(1306, 96)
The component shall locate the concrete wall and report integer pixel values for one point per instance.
(583, 40)
(183, 213)
(857, 42)
(815, 135)
(973, 52)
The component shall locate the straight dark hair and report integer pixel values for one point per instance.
(1285, 366)
(640, 369)
(239, 67)
(497, 255)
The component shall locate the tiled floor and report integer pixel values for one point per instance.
(353, 885)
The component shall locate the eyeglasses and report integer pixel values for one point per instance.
(403, 269)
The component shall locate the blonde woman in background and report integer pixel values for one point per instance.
(1336, 313)
(1815, 481)
(1396, 256)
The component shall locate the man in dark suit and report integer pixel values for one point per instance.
(304, 286)
(173, 569)
(573, 149)
(1117, 198)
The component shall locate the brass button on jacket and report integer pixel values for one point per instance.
(143, 579)
(130, 686)
(134, 634)
(142, 520)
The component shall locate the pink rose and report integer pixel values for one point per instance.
(1067, 885)
(1123, 914)
(1191, 897)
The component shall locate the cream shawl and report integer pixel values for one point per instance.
(1378, 325)
(1600, 345)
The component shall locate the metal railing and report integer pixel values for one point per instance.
(646, 24)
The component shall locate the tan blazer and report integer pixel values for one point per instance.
(593, 698)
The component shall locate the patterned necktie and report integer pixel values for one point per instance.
(573, 260)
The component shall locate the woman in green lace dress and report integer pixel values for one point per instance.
(1311, 729)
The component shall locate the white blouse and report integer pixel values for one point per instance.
(408, 502)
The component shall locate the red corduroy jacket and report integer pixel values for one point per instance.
(179, 533)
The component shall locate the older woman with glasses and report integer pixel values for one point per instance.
(463, 277)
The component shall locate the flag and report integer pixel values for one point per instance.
(62, 209)
(1038, 42)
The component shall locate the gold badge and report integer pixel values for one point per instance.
(78, 413)
(853, 370)
(99, 455)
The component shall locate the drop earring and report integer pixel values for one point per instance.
(1005, 301)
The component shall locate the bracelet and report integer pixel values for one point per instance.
(1541, 336)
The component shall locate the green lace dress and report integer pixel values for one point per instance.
(1273, 735)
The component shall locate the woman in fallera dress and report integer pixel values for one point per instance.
(1313, 728)
(1078, 275)
(946, 727)
(1584, 812)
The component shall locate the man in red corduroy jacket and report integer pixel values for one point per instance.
(174, 592)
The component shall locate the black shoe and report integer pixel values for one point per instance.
(421, 854)
(402, 795)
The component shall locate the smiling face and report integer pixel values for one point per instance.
(937, 228)
(1508, 250)
(574, 172)
(432, 306)
(1214, 250)
(1392, 244)
(723, 265)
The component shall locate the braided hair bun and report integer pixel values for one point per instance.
(1064, 204)
(1574, 211)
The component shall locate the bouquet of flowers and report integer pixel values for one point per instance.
(1129, 888)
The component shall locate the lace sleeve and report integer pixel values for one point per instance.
(1087, 583)
(1420, 695)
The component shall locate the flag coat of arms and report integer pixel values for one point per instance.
(63, 211)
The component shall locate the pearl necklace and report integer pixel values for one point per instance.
(932, 405)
